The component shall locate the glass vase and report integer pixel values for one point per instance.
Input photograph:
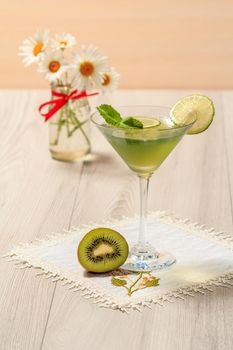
(69, 128)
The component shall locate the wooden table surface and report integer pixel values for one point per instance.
(39, 195)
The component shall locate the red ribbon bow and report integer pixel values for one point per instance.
(61, 101)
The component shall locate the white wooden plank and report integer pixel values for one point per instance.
(36, 198)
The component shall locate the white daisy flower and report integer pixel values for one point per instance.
(110, 79)
(53, 66)
(88, 68)
(32, 49)
(63, 41)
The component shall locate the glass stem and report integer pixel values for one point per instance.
(144, 186)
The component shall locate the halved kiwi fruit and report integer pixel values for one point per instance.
(102, 250)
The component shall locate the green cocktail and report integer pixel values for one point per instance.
(144, 136)
(144, 150)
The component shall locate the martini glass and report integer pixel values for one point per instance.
(144, 150)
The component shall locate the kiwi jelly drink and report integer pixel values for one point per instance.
(144, 149)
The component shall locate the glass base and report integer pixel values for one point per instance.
(146, 258)
(70, 156)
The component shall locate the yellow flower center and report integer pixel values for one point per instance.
(37, 48)
(86, 69)
(63, 44)
(54, 66)
(106, 79)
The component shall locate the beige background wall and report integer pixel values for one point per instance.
(153, 43)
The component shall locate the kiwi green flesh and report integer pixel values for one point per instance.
(102, 250)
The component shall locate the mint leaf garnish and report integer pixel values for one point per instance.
(133, 122)
(110, 115)
(113, 117)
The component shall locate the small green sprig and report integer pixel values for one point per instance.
(113, 117)
(138, 284)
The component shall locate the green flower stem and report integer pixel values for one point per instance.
(78, 125)
(135, 290)
(67, 128)
(130, 289)
(68, 118)
(59, 127)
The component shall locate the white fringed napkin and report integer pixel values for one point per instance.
(204, 260)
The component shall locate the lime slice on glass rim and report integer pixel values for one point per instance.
(193, 107)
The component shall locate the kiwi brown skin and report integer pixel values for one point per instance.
(102, 250)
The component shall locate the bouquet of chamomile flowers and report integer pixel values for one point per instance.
(61, 65)
(73, 77)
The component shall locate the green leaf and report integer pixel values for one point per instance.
(132, 122)
(152, 282)
(61, 122)
(111, 115)
(117, 282)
